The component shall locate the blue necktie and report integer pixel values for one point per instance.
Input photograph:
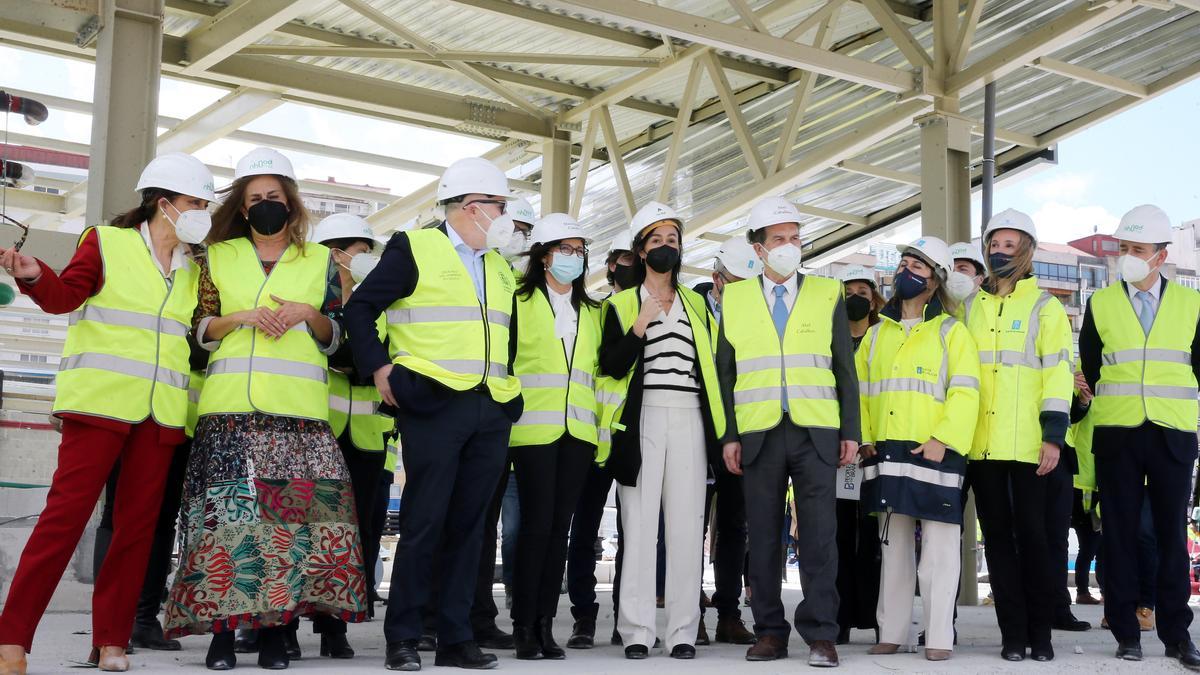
(779, 314)
(1145, 311)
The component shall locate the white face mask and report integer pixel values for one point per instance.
(1133, 269)
(516, 246)
(361, 265)
(191, 226)
(500, 231)
(959, 286)
(784, 260)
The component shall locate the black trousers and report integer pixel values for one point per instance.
(581, 550)
(1089, 544)
(159, 566)
(789, 451)
(483, 608)
(1131, 464)
(729, 542)
(859, 561)
(1059, 495)
(550, 479)
(1011, 501)
(452, 460)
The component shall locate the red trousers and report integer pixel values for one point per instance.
(85, 458)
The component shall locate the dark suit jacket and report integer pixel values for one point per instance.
(1182, 444)
(846, 377)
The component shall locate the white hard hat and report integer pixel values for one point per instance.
(739, 258)
(472, 175)
(522, 211)
(622, 242)
(1145, 224)
(965, 250)
(556, 227)
(772, 211)
(857, 273)
(932, 250)
(342, 226)
(650, 214)
(178, 172)
(1011, 219)
(264, 162)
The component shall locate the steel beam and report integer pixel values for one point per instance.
(876, 171)
(225, 115)
(681, 125)
(238, 25)
(804, 89)
(585, 162)
(901, 37)
(813, 20)
(1089, 76)
(966, 35)
(556, 175)
(749, 43)
(946, 176)
(475, 57)
(33, 202)
(733, 113)
(613, 145)
(632, 85)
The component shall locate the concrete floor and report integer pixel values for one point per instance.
(63, 638)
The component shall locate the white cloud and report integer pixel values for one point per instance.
(1063, 187)
(1061, 223)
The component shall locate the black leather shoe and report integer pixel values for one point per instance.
(335, 646)
(545, 635)
(427, 643)
(636, 652)
(702, 633)
(1187, 654)
(1011, 653)
(1129, 650)
(152, 638)
(1070, 623)
(220, 652)
(465, 655)
(615, 640)
(526, 642)
(1042, 653)
(491, 637)
(682, 651)
(843, 637)
(403, 656)
(291, 641)
(583, 635)
(247, 641)
(273, 648)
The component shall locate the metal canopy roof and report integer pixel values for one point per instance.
(812, 99)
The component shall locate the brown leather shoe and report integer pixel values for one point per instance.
(733, 631)
(1145, 617)
(767, 648)
(822, 654)
(1086, 598)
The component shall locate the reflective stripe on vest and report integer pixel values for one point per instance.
(249, 373)
(442, 331)
(126, 353)
(1146, 376)
(920, 474)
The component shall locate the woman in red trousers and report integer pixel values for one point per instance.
(121, 395)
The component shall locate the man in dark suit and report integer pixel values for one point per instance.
(1139, 349)
(786, 365)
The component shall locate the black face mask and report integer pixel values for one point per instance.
(267, 217)
(857, 307)
(626, 276)
(663, 259)
(999, 264)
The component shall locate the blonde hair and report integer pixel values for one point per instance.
(229, 223)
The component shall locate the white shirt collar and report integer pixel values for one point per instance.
(1155, 290)
(179, 256)
(459, 245)
(789, 286)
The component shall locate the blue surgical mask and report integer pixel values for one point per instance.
(566, 268)
(909, 285)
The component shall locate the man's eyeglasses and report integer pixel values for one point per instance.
(567, 249)
(24, 231)
(499, 202)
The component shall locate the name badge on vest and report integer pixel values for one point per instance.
(849, 482)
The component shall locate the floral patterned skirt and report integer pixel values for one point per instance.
(268, 528)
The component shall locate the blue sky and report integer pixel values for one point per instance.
(1148, 154)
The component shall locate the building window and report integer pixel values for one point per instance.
(1107, 245)
(1056, 271)
(33, 358)
(341, 208)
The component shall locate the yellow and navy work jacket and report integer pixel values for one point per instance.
(915, 385)
(1025, 376)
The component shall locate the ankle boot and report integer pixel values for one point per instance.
(220, 652)
(526, 641)
(272, 648)
(545, 633)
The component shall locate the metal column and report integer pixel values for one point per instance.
(556, 175)
(125, 103)
(945, 176)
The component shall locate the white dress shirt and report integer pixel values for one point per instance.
(179, 256)
(1155, 296)
(791, 287)
(565, 319)
(471, 259)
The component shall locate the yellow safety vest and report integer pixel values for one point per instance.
(1024, 343)
(1079, 436)
(558, 396)
(357, 406)
(612, 392)
(393, 456)
(802, 360)
(249, 372)
(126, 352)
(195, 386)
(920, 385)
(443, 332)
(1146, 377)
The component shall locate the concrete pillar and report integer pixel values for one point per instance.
(125, 103)
(556, 175)
(946, 176)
